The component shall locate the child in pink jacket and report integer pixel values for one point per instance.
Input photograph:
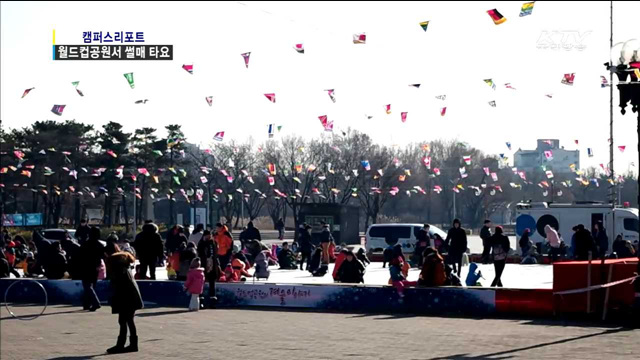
(195, 284)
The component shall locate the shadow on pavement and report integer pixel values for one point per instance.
(160, 313)
(77, 357)
(18, 317)
(499, 354)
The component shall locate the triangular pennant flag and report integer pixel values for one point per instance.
(209, 100)
(417, 86)
(79, 92)
(219, 136)
(490, 83)
(246, 58)
(299, 48)
(403, 116)
(75, 83)
(621, 148)
(443, 111)
(271, 97)
(129, 77)
(388, 108)
(424, 25)
(26, 92)
(188, 68)
(331, 94)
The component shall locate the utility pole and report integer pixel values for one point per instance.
(171, 218)
(135, 200)
(612, 191)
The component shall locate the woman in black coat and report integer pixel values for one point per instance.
(125, 300)
(500, 247)
(457, 242)
(351, 270)
(91, 254)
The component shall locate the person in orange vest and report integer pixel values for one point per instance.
(225, 244)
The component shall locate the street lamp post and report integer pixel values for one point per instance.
(626, 66)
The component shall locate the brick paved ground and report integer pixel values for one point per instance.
(67, 333)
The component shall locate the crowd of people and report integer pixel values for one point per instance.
(208, 256)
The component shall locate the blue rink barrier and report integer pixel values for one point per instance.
(322, 297)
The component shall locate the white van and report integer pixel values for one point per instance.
(381, 236)
(563, 217)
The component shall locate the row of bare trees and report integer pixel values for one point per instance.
(61, 168)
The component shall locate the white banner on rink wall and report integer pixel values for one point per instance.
(279, 295)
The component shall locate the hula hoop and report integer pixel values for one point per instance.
(6, 304)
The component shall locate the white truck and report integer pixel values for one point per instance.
(563, 217)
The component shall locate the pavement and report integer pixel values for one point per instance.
(68, 333)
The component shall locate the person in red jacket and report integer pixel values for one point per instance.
(339, 260)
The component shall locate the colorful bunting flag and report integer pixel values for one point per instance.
(604, 83)
(508, 145)
(496, 16)
(58, 109)
(424, 25)
(426, 160)
(188, 68)
(508, 86)
(621, 148)
(365, 164)
(388, 108)
(299, 48)
(443, 111)
(209, 100)
(527, 8)
(360, 38)
(467, 159)
(492, 103)
(219, 136)
(568, 79)
(403, 116)
(589, 152)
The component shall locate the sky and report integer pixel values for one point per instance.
(461, 47)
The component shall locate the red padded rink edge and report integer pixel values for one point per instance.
(524, 301)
